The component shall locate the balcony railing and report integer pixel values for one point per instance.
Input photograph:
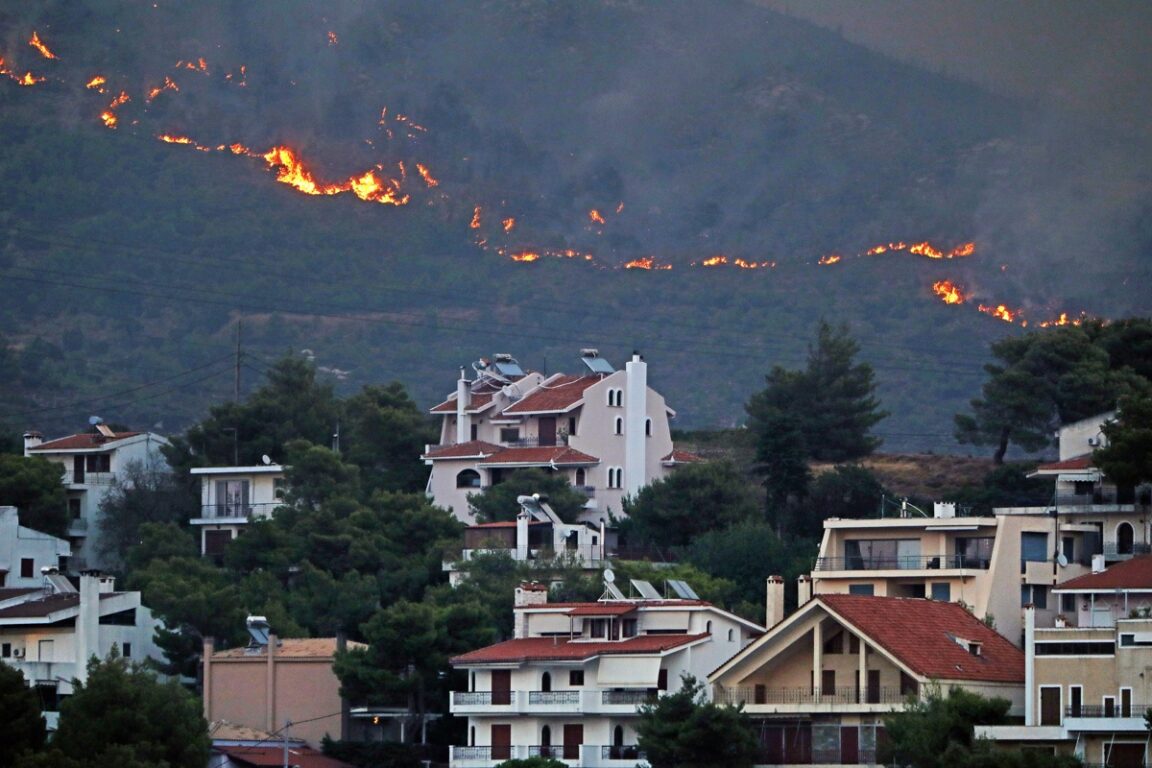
(622, 752)
(554, 697)
(238, 511)
(801, 696)
(1112, 549)
(900, 563)
(476, 698)
(1097, 710)
(627, 698)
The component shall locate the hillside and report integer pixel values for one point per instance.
(700, 183)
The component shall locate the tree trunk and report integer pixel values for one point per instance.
(1002, 448)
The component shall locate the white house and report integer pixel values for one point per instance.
(50, 632)
(605, 430)
(25, 553)
(569, 682)
(231, 497)
(89, 463)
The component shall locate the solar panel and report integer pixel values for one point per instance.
(507, 365)
(597, 364)
(682, 589)
(614, 591)
(646, 590)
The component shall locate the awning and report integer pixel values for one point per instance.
(1084, 476)
(628, 671)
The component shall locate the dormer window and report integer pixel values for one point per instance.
(974, 649)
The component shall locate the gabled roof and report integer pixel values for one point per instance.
(562, 649)
(927, 637)
(1134, 574)
(680, 457)
(1068, 465)
(82, 442)
(560, 455)
(298, 757)
(477, 401)
(558, 394)
(473, 449)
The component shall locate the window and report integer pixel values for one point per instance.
(1076, 648)
(828, 682)
(834, 645)
(231, 498)
(580, 477)
(6, 650)
(468, 478)
(575, 677)
(731, 634)
(615, 398)
(279, 487)
(619, 426)
(546, 682)
(942, 592)
(473, 432)
(909, 686)
(509, 434)
(708, 627)
(100, 462)
(615, 477)
(1068, 604)
(861, 589)
(27, 567)
(974, 551)
(629, 628)
(127, 652)
(1075, 699)
(598, 628)
(74, 508)
(1033, 548)
(1034, 594)
(879, 554)
(571, 426)
(648, 427)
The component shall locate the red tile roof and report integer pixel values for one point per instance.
(680, 457)
(603, 609)
(559, 394)
(477, 402)
(562, 649)
(561, 455)
(1134, 574)
(1078, 462)
(919, 633)
(299, 757)
(86, 441)
(470, 450)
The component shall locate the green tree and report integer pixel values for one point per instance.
(22, 727)
(143, 493)
(782, 461)
(846, 491)
(832, 401)
(1127, 458)
(384, 435)
(33, 485)
(1040, 381)
(123, 710)
(499, 502)
(691, 501)
(683, 730)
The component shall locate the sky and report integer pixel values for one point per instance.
(1093, 56)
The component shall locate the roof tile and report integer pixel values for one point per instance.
(559, 394)
(1128, 574)
(561, 649)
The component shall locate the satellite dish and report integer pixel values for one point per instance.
(1061, 560)
(265, 458)
(94, 420)
(609, 576)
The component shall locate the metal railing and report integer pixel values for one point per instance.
(554, 697)
(238, 511)
(1099, 710)
(900, 563)
(627, 698)
(622, 752)
(1112, 549)
(839, 695)
(474, 698)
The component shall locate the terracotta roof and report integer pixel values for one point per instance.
(558, 394)
(603, 609)
(298, 757)
(506, 524)
(561, 455)
(680, 457)
(1077, 462)
(920, 634)
(477, 402)
(292, 648)
(36, 609)
(469, 450)
(563, 649)
(86, 441)
(1134, 574)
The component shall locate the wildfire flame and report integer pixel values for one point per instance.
(291, 170)
(647, 262)
(29, 79)
(169, 85)
(200, 65)
(424, 174)
(925, 249)
(595, 217)
(509, 224)
(38, 44)
(1000, 312)
(948, 291)
(526, 256)
(1065, 320)
(332, 39)
(475, 223)
(714, 261)
(831, 258)
(753, 265)
(96, 84)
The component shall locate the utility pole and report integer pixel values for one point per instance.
(236, 387)
(287, 724)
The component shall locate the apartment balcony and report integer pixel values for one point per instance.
(1114, 550)
(593, 701)
(575, 755)
(769, 700)
(1112, 718)
(221, 514)
(80, 482)
(77, 526)
(958, 563)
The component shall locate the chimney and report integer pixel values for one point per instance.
(774, 603)
(803, 589)
(88, 622)
(31, 440)
(522, 518)
(206, 660)
(463, 423)
(527, 594)
(635, 412)
(1097, 563)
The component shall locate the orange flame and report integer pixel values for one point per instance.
(29, 79)
(620, 208)
(714, 261)
(525, 256)
(646, 262)
(170, 139)
(753, 265)
(38, 44)
(95, 83)
(948, 291)
(1000, 312)
(123, 98)
(367, 186)
(109, 119)
(475, 223)
(1064, 319)
(829, 259)
(426, 175)
(509, 224)
(332, 39)
(200, 65)
(595, 216)
(168, 85)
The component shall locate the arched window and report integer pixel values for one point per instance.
(468, 478)
(1124, 539)
(580, 476)
(545, 741)
(648, 427)
(546, 682)
(619, 426)
(708, 627)
(731, 634)
(472, 736)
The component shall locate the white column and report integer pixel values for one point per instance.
(87, 623)
(463, 423)
(635, 412)
(522, 536)
(1029, 665)
(817, 657)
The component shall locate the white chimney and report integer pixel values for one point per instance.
(635, 413)
(774, 603)
(527, 594)
(88, 622)
(803, 589)
(522, 519)
(1097, 563)
(1029, 665)
(31, 440)
(463, 423)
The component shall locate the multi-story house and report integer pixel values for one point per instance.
(1088, 685)
(538, 535)
(994, 565)
(819, 684)
(605, 430)
(50, 632)
(25, 554)
(569, 682)
(89, 463)
(231, 497)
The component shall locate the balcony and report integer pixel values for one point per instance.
(1114, 551)
(234, 513)
(806, 700)
(901, 563)
(572, 701)
(575, 755)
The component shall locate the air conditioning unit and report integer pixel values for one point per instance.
(17, 653)
(1094, 442)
